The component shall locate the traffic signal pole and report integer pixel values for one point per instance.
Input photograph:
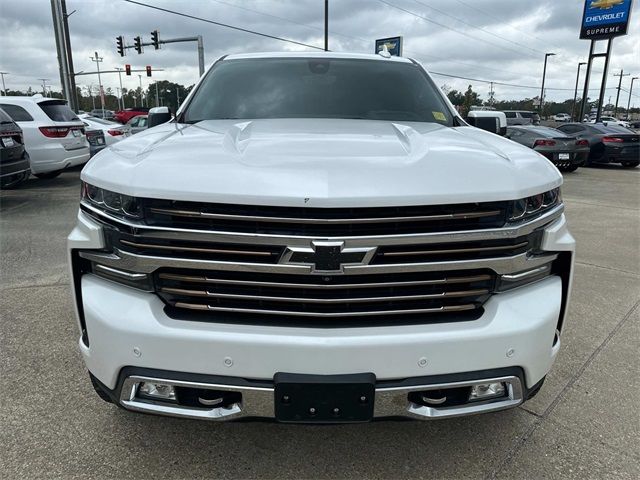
(198, 39)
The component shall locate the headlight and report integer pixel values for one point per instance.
(111, 202)
(534, 206)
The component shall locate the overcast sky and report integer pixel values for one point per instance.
(496, 40)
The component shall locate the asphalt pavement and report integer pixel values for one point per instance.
(585, 422)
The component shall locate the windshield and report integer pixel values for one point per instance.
(317, 88)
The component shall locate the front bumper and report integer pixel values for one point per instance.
(258, 398)
(129, 329)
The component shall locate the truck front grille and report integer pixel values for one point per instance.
(222, 263)
(325, 297)
(301, 221)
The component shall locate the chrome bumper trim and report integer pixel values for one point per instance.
(259, 401)
(148, 264)
(159, 233)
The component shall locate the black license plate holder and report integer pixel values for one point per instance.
(300, 398)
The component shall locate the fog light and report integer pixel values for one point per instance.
(485, 391)
(157, 391)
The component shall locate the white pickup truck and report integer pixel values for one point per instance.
(319, 237)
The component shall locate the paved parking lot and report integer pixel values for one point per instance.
(585, 422)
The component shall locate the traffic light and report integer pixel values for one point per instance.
(120, 45)
(148, 70)
(127, 69)
(137, 43)
(155, 39)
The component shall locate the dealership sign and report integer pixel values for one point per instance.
(604, 19)
(393, 44)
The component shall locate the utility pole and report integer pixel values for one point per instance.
(575, 93)
(44, 86)
(72, 96)
(119, 69)
(98, 59)
(491, 95)
(621, 74)
(628, 102)
(93, 100)
(4, 87)
(544, 74)
(326, 25)
(157, 102)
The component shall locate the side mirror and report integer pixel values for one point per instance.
(489, 120)
(158, 115)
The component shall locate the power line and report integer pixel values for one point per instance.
(464, 22)
(193, 17)
(426, 19)
(505, 84)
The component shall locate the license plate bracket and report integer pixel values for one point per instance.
(300, 398)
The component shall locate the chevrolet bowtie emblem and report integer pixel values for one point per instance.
(327, 257)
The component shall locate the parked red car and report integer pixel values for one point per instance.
(123, 116)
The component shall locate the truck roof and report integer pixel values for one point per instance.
(360, 56)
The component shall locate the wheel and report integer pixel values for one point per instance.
(630, 164)
(569, 168)
(48, 175)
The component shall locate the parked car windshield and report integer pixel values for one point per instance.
(317, 88)
(610, 128)
(58, 111)
(546, 132)
(101, 121)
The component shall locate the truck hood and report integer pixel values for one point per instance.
(322, 163)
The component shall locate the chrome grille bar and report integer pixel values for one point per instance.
(224, 281)
(499, 248)
(194, 249)
(326, 221)
(233, 296)
(293, 313)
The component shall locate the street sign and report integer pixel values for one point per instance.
(604, 19)
(393, 44)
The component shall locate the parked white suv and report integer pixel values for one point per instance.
(53, 135)
(319, 237)
(612, 120)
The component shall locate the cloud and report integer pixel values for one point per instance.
(495, 40)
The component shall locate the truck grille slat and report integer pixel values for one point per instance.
(323, 222)
(232, 296)
(224, 281)
(327, 221)
(290, 313)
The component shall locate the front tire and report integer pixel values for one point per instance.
(630, 164)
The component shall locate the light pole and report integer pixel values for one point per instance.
(119, 69)
(98, 59)
(141, 96)
(628, 102)
(575, 94)
(544, 74)
(4, 88)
